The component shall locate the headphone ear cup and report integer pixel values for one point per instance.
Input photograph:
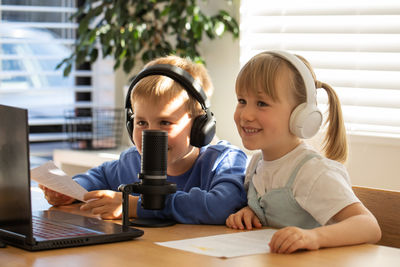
(203, 130)
(305, 121)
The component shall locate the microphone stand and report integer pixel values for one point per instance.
(158, 192)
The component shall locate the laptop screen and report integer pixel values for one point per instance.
(15, 208)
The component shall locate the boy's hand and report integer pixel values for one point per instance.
(246, 216)
(108, 204)
(54, 198)
(290, 239)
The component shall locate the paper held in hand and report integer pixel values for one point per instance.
(54, 178)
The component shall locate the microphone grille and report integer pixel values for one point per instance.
(154, 152)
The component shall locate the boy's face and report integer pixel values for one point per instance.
(171, 116)
(263, 123)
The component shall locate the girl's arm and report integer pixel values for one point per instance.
(355, 225)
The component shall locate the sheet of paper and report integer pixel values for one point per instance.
(38, 200)
(54, 178)
(226, 245)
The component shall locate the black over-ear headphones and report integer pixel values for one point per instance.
(204, 126)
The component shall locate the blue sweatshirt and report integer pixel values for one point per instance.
(206, 194)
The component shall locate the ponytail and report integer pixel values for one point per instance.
(335, 140)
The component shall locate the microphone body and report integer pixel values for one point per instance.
(153, 186)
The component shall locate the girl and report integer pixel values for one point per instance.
(290, 185)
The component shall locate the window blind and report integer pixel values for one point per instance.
(352, 45)
(34, 37)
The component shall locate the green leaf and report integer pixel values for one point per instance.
(122, 55)
(128, 65)
(67, 69)
(117, 64)
(94, 54)
(219, 28)
(83, 25)
(65, 60)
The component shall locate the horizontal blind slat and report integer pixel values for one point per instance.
(324, 24)
(364, 97)
(43, 25)
(323, 42)
(317, 7)
(359, 78)
(52, 9)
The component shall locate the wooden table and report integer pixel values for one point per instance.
(143, 252)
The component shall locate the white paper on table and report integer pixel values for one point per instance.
(226, 245)
(54, 178)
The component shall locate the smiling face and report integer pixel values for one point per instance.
(263, 121)
(170, 115)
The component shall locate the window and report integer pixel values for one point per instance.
(35, 35)
(353, 45)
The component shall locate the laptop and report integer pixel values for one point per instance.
(41, 230)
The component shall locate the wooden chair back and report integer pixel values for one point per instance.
(385, 205)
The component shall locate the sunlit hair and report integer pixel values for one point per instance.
(259, 75)
(156, 87)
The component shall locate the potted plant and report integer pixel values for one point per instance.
(141, 30)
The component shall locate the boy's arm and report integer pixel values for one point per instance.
(93, 179)
(110, 175)
(221, 194)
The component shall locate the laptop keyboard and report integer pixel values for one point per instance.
(47, 229)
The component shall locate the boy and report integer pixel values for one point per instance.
(209, 178)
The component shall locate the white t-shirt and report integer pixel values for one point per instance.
(322, 186)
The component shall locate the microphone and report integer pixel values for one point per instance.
(153, 174)
(153, 185)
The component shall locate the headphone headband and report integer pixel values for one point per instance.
(179, 75)
(306, 119)
(305, 73)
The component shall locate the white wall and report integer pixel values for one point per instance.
(375, 161)
(222, 58)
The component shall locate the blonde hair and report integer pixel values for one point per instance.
(259, 75)
(155, 87)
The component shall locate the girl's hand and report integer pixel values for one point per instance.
(290, 239)
(108, 204)
(54, 198)
(246, 216)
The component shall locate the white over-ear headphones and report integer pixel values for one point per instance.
(306, 118)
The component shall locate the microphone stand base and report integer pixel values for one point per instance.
(152, 222)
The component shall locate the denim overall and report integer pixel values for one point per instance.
(278, 208)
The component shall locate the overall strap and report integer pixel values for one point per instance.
(296, 170)
(258, 157)
(251, 168)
